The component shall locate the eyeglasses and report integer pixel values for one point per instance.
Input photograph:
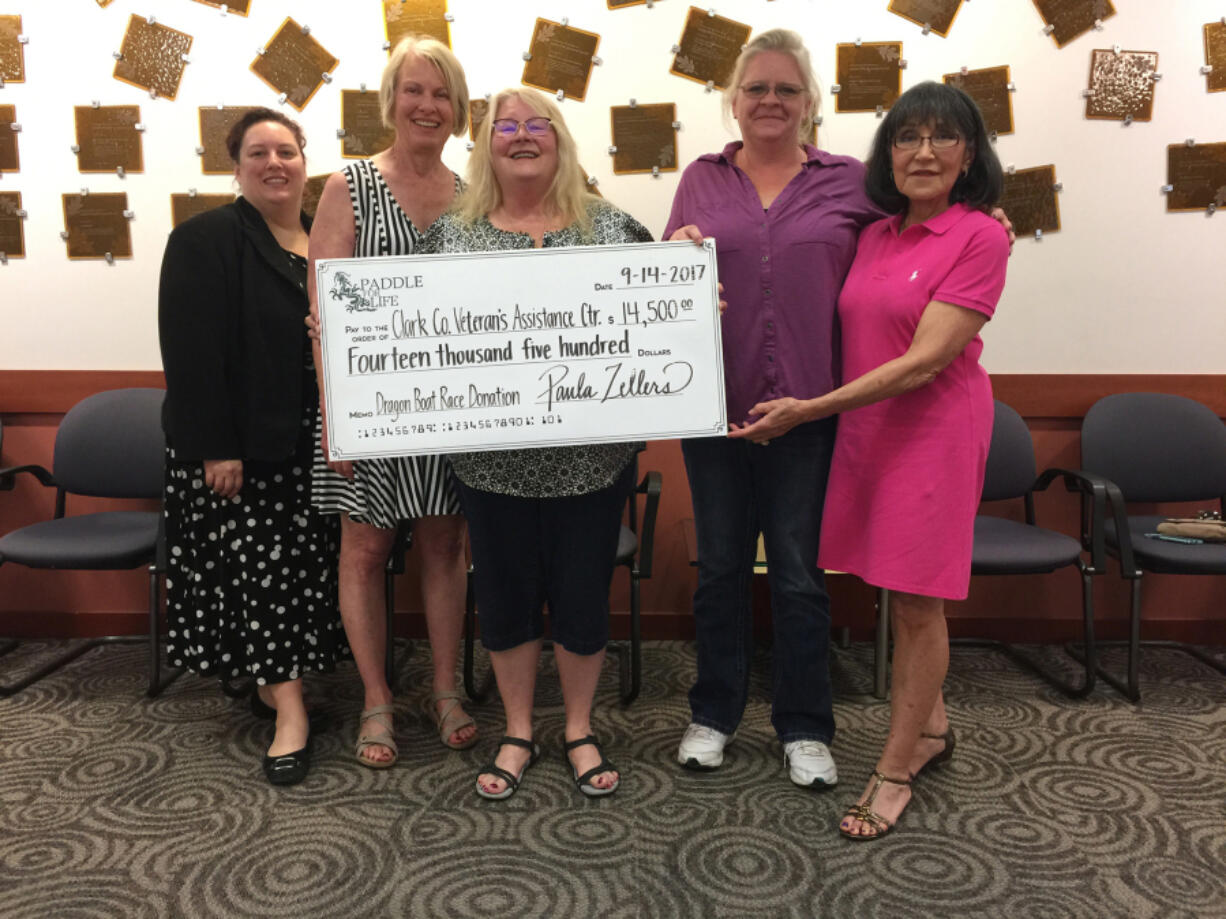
(784, 92)
(507, 127)
(939, 140)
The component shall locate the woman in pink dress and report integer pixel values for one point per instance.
(916, 410)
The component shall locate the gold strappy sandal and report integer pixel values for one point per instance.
(865, 813)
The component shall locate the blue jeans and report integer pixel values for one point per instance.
(740, 489)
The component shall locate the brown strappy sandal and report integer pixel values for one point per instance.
(865, 813)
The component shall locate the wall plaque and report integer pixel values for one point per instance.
(242, 7)
(1121, 85)
(312, 191)
(1215, 56)
(1198, 176)
(1030, 200)
(12, 52)
(294, 63)
(362, 121)
(1071, 18)
(644, 137)
(477, 110)
(12, 231)
(402, 18)
(151, 57)
(709, 47)
(989, 88)
(869, 75)
(183, 207)
(96, 225)
(108, 138)
(10, 161)
(560, 58)
(215, 125)
(937, 15)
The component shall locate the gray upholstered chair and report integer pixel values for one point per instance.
(1155, 447)
(109, 445)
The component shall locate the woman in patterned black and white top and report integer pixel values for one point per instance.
(382, 206)
(544, 522)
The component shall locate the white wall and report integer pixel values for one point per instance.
(1123, 288)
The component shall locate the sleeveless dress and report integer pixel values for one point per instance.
(382, 492)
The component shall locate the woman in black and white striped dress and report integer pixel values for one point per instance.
(383, 206)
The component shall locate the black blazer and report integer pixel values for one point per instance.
(230, 321)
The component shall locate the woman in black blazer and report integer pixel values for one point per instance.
(252, 566)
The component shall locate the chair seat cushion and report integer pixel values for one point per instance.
(106, 541)
(627, 545)
(1008, 547)
(1164, 557)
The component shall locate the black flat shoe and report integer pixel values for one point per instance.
(260, 708)
(290, 768)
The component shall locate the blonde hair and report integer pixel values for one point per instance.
(442, 57)
(568, 193)
(784, 41)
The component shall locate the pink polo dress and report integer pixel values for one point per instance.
(907, 472)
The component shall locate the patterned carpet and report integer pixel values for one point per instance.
(113, 805)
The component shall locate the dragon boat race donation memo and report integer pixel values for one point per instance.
(491, 350)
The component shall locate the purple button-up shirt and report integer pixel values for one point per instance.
(781, 268)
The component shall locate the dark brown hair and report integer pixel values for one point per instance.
(253, 116)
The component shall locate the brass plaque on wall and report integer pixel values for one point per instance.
(12, 232)
(215, 125)
(869, 75)
(1030, 200)
(362, 122)
(416, 17)
(108, 138)
(989, 88)
(1197, 175)
(937, 15)
(709, 47)
(1071, 18)
(477, 110)
(644, 138)
(311, 192)
(560, 58)
(10, 160)
(12, 52)
(294, 63)
(1121, 85)
(183, 207)
(96, 225)
(151, 57)
(1215, 56)
(242, 7)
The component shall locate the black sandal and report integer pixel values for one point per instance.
(512, 780)
(584, 782)
(946, 754)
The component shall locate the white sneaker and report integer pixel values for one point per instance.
(702, 747)
(810, 764)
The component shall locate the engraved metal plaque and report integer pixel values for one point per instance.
(242, 7)
(108, 138)
(362, 121)
(1121, 85)
(294, 63)
(151, 57)
(416, 17)
(96, 225)
(869, 75)
(104, 3)
(1197, 175)
(12, 52)
(10, 161)
(478, 109)
(709, 47)
(937, 15)
(1030, 200)
(644, 138)
(312, 191)
(618, 4)
(989, 88)
(1071, 18)
(560, 58)
(12, 231)
(1215, 56)
(215, 125)
(183, 207)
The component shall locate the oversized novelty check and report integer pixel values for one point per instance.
(491, 350)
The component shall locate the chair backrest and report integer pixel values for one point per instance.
(111, 445)
(1010, 471)
(1156, 446)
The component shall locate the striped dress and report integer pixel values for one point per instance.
(382, 492)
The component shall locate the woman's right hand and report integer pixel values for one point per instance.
(340, 467)
(690, 232)
(224, 477)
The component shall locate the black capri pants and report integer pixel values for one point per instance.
(532, 551)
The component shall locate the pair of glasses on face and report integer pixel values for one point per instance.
(939, 139)
(508, 127)
(784, 92)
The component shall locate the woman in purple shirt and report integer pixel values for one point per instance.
(786, 217)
